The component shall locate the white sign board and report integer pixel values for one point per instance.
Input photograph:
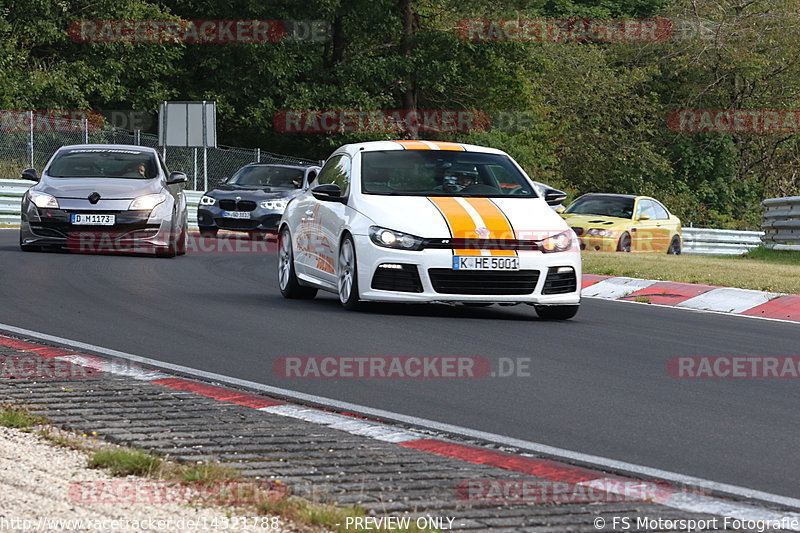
(192, 124)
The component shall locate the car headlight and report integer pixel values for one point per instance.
(147, 202)
(278, 205)
(43, 200)
(600, 232)
(207, 200)
(557, 243)
(394, 239)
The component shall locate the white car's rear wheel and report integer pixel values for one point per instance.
(347, 274)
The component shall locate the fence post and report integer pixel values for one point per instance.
(30, 138)
(137, 137)
(205, 168)
(258, 155)
(85, 131)
(194, 156)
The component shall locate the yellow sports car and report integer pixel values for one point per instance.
(625, 223)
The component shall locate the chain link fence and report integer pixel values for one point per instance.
(34, 144)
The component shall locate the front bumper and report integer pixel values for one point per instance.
(211, 217)
(596, 243)
(534, 283)
(133, 231)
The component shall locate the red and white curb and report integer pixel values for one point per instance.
(689, 500)
(742, 302)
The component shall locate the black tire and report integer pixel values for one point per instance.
(347, 274)
(674, 246)
(624, 244)
(556, 312)
(182, 238)
(208, 232)
(287, 279)
(171, 249)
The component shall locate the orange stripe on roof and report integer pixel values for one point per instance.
(496, 222)
(460, 223)
(448, 146)
(414, 145)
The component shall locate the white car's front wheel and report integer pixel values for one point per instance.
(347, 274)
(287, 279)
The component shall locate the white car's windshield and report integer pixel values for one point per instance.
(442, 173)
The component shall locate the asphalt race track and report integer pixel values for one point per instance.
(598, 385)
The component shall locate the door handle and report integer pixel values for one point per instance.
(309, 216)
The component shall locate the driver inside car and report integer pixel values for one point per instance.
(458, 181)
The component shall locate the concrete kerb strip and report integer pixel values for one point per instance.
(740, 302)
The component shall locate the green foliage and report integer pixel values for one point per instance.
(13, 415)
(595, 113)
(125, 461)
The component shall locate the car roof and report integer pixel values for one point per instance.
(71, 147)
(375, 146)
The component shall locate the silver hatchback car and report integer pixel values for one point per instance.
(98, 197)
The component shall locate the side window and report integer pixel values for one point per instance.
(336, 170)
(661, 211)
(645, 207)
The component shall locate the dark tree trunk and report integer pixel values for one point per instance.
(409, 96)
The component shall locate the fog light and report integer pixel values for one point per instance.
(564, 270)
(391, 265)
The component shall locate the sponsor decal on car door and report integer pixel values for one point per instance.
(328, 219)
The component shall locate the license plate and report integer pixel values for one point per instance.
(80, 219)
(236, 214)
(478, 262)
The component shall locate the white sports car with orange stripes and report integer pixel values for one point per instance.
(419, 221)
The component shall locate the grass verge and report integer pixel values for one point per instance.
(13, 415)
(126, 462)
(761, 269)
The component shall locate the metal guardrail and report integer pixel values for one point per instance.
(708, 241)
(781, 223)
(702, 241)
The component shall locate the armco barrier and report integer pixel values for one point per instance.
(695, 240)
(781, 223)
(707, 241)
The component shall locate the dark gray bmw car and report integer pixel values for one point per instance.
(113, 198)
(253, 199)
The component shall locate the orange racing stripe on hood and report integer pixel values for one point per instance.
(463, 225)
(494, 220)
